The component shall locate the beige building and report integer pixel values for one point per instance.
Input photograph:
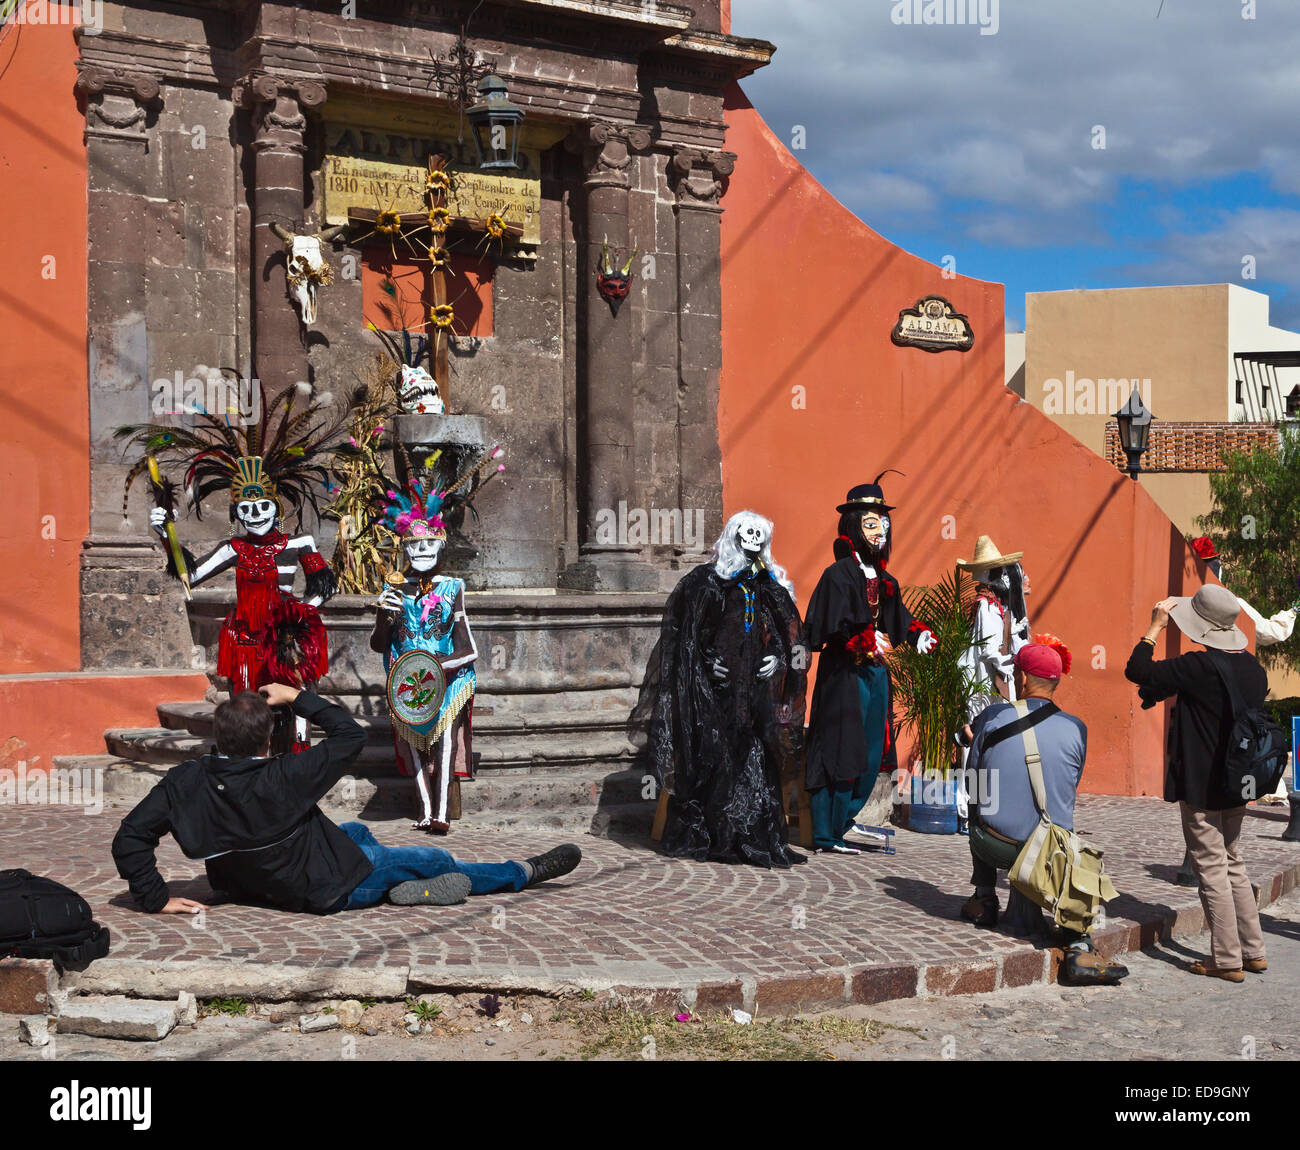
(1213, 370)
(1202, 356)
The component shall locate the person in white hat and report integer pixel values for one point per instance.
(1195, 769)
(999, 628)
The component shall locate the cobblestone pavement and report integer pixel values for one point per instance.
(655, 931)
(1160, 1013)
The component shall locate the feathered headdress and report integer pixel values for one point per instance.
(282, 455)
(418, 514)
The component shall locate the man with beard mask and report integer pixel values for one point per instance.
(855, 615)
(721, 706)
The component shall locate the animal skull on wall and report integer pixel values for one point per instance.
(306, 267)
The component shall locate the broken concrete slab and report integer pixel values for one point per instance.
(187, 1009)
(34, 1030)
(117, 1016)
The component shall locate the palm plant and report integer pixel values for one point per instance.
(933, 691)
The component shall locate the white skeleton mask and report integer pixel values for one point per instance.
(417, 391)
(256, 516)
(423, 554)
(751, 538)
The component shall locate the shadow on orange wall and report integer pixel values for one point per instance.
(44, 467)
(814, 398)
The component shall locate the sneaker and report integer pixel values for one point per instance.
(1255, 965)
(867, 836)
(554, 863)
(441, 890)
(982, 911)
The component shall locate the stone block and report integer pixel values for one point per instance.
(26, 985)
(784, 996)
(883, 984)
(660, 338)
(119, 165)
(117, 223)
(115, 292)
(116, 1016)
(961, 978)
(172, 301)
(187, 1009)
(716, 997)
(1024, 968)
(196, 175)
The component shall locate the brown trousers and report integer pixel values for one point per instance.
(1214, 838)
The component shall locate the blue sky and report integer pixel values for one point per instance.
(983, 146)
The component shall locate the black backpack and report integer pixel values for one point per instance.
(1257, 752)
(41, 918)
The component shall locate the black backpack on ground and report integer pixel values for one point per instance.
(41, 918)
(1256, 756)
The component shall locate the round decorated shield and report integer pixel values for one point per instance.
(416, 686)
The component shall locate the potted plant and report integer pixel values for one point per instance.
(932, 693)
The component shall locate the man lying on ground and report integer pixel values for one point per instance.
(254, 822)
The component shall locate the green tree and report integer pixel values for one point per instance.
(1254, 521)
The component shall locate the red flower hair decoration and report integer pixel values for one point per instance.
(1057, 645)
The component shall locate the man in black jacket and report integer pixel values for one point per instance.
(1195, 768)
(254, 822)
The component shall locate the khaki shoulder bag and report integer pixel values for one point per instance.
(1056, 869)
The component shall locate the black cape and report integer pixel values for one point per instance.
(724, 752)
(838, 610)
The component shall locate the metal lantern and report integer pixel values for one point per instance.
(496, 121)
(1134, 430)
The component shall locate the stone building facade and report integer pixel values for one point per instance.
(207, 123)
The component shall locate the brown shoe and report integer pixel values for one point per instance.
(1226, 975)
(981, 911)
(1088, 968)
(1255, 965)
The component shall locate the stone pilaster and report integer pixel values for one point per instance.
(124, 592)
(607, 469)
(698, 179)
(279, 109)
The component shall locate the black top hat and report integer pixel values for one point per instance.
(868, 497)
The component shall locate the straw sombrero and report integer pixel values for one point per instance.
(988, 555)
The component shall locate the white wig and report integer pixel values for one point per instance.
(728, 558)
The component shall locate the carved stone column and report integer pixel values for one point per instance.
(607, 469)
(124, 621)
(279, 125)
(699, 179)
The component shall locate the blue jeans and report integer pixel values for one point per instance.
(398, 864)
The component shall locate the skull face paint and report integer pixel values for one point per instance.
(256, 516)
(875, 529)
(751, 537)
(423, 554)
(417, 392)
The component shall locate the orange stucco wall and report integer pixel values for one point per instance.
(44, 460)
(810, 296)
(46, 715)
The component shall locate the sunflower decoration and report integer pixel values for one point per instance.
(439, 220)
(365, 548)
(440, 258)
(389, 222)
(438, 180)
(442, 316)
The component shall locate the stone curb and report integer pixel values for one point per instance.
(644, 986)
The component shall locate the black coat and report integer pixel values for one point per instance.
(1201, 720)
(838, 610)
(725, 750)
(284, 851)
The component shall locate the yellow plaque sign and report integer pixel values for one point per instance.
(368, 165)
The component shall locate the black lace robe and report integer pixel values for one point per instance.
(724, 751)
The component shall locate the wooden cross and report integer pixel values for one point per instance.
(404, 227)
